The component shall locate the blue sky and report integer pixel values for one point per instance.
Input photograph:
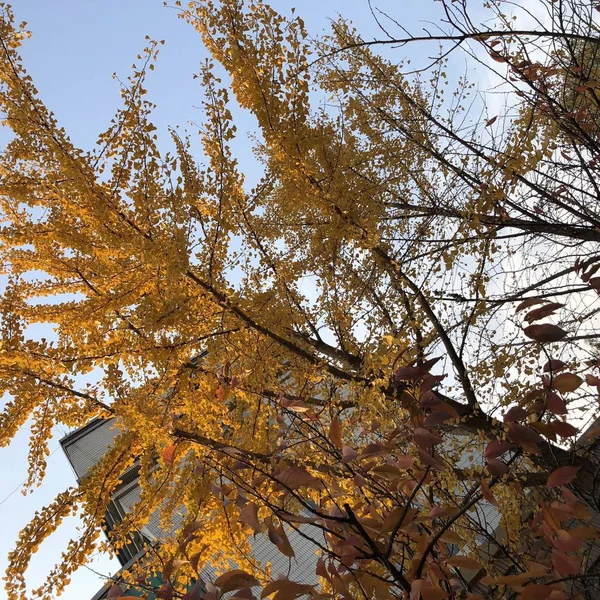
(76, 46)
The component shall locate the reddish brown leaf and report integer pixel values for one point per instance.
(284, 545)
(487, 493)
(285, 589)
(566, 382)
(490, 121)
(242, 594)
(536, 591)
(515, 413)
(524, 436)
(543, 311)
(403, 461)
(545, 333)
(432, 592)
(565, 542)
(414, 373)
(565, 565)
(497, 448)
(348, 454)
(436, 418)
(584, 532)
(556, 404)
(429, 399)
(592, 380)
(372, 450)
(291, 518)
(295, 477)
(235, 580)
(425, 438)
(529, 302)
(563, 429)
(562, 476)
(249, 516)
(116, 591)
(335, 433)
(495, 56)
(496, 467)
(432, 461)
(463, 562)
(554, 365)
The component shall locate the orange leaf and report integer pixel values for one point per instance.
(168, 455)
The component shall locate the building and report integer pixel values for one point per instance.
(87, 445)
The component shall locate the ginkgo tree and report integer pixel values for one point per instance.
(392, 322)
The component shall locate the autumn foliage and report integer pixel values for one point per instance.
(386, 341)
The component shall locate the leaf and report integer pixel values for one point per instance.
(529, 302)
(284, 545)
(335, 433)
(235, 580)
(487, 493)
(348, 454)
(241, 594)
(432, 461)
(291, 518)
(249, 516)
(565, 565)
(545, 333)
(566, 382)
(168, 455)
(285, 589)
(463, 562)
(515, 413)
(491, 121)
(556, 404)
(497, 448)
(562, 476)
(436, 418)
(432, 592)
(496, 467)
(543, 311)
(295, 405)
(524, 436)
(296, 477)
(565, 542)
(114, 592)
(495, 56)
(425, 438)
(554, 365)
(563, 429)
(536, 591)
(414, 373)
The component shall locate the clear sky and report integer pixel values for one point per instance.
(76, 46)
